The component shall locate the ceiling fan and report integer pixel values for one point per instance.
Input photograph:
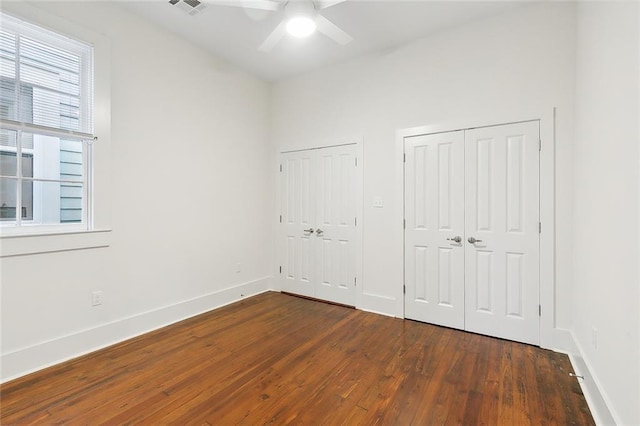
(302, 18)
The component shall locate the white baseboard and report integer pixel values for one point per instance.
(45, 354)
(378, 304)
(597, 400)
(562, 341)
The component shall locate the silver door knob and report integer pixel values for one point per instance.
(319, 231)
(473, 240)
(456, 239)
(310, 230)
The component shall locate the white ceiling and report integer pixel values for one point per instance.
(234, 33)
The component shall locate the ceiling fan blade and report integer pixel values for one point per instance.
(273, 39)
(323, 4)
(248, 4)
(332, 31)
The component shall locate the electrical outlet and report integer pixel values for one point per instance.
(96, 298)
(238, 267)
(594, 337)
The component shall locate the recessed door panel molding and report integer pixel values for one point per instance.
(484, 288)
(445, 288)
(290, 263)
(319, 214)
(434, 196)
(324, 261)
(483, 183)
(305, 203)
(471, 230)
(326, 187)
(342, 257)
(420, 279)
(345, 180)
(515, 284)
(421, 189)
(444, 186)
(291, 179)
(515, 166)
(305, 273)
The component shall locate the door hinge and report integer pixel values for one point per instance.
(539, 310)
(539, 227)
(356, 161)
(355, 281)
(281, 168)
(281, 269)
(539, 144)
(404, 289)
(404, 223)
(280, 218)
(404, 158)
(355, 221)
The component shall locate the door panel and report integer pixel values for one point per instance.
(336, 235)
(319, 193)
(434, 211)
(298, 207)
(502, 211)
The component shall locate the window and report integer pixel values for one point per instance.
(46, 134)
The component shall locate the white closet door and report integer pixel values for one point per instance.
(502, 213)
(298, 218)
(335, 224)
(434, 234)
(318, 230)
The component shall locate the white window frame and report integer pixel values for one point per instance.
(95, 231)
(85, 53)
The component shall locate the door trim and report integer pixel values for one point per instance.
(358, 142)
(550, 336)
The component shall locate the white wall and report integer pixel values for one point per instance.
(517, 65)
(606, 214)
(189, 187)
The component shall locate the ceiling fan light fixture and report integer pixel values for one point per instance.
(301, 26)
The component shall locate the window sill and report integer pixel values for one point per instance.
(26, 244)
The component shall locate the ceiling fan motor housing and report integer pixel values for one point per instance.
(300, 8)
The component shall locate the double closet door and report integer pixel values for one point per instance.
(472, 230)
(318, 223)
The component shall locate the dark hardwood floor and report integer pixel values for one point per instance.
(277, 359)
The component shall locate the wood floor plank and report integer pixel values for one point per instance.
(409, 395)
(436, 366)
(279, 359)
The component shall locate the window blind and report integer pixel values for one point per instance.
(46, 81)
